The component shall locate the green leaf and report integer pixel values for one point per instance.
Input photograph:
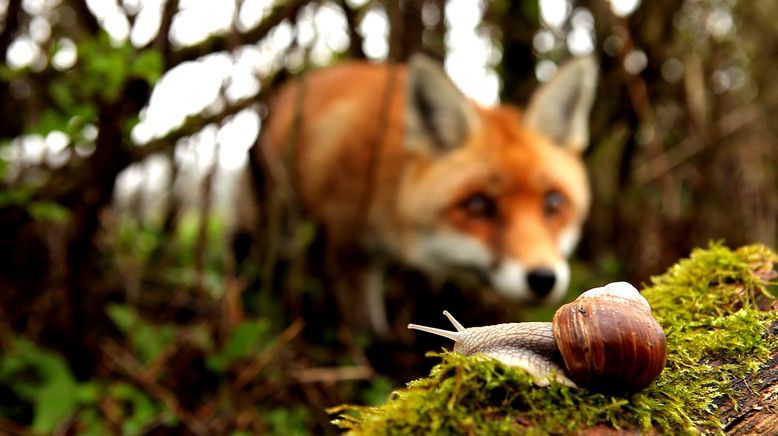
(57, 398)
(140, 410)
(105, 67)
(49, 211)
(200, 335)
(61, 92)
(245, 339)
(147, 339)
(50, 120)
(19, 197)
(148, 65)
(122, 316)
(40, 210)
(88, 393)
(288, 421)
(42, 378)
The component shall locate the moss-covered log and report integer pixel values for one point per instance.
(721, 319)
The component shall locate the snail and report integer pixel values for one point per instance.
(605, 340)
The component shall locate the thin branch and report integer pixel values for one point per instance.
(224, 41)
(201, 243)
(10, 125)
(63, 180)
(693, 145)
(86, 16)
(353, 17)
(333, 375)
(161, 42)
(8, 426)
(192, 125)
(130, 15)
(10, 25)
(253, 369)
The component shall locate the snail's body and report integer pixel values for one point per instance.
(528, 345)
(607, 338)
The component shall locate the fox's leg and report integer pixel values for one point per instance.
(359, 289)
(375, 300)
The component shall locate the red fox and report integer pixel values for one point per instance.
(397, 165)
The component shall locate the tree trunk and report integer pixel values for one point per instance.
(757, 401)
(406, 28)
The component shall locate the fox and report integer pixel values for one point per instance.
(396, 164)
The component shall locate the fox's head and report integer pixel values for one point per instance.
(496, 191)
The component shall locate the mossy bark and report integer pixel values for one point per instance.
(756, 408)
(721, 319)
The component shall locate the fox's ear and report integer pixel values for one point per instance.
(560, 108)
(438, 116)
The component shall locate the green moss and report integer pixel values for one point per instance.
(707, 305)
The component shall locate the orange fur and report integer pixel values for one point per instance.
(357, 175)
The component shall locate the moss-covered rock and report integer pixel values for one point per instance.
(709, 306)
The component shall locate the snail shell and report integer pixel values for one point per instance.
(606, 339)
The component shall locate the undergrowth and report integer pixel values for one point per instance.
(716, 332)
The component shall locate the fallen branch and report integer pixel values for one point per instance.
(332, 375)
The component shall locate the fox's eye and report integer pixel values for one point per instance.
(553, 202)
(479, 206)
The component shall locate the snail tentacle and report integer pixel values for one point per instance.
(454, 321)
(454, 336)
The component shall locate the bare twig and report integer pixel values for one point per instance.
(10, 24)
(201, 244)
(692, 145)
(162, 41)
(271, 352)
(9, 427)
(281, 12)
(333, 375)
(85, 16)
(232, 306)
(637, 89)
(154, 368)
(192, 125)
(317, 403)
(130, 365)
(697, 103)
(353, 17)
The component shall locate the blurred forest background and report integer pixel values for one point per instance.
(123, 124)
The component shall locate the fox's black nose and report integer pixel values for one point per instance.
(541, 281)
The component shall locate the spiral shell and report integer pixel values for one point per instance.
(608, 338)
